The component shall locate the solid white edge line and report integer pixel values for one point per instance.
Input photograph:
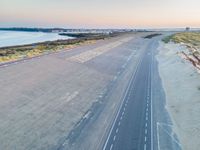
(151, 75)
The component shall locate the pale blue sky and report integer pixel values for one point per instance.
(100, 13)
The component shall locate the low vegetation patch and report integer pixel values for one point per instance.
(192, 38)
(192, 41)
(152, 35)
(13, 53)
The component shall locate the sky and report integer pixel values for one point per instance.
(100, 13)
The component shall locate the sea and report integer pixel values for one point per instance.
(12, 38)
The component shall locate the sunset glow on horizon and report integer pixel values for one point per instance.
(100, 13)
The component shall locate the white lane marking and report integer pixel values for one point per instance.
(122, 113)
(151, 102)
(121, 118)
(146, 124)
(162, 126)
(124, 108)
(114, 138)
(145, 131)
(145, 146)
(119, 123)
(145, 138)
(146, 118)
(111, 147)
(117, 130)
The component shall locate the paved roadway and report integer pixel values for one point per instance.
(73, 99)
(42, 100)
(132, 128)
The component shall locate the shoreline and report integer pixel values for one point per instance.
(16, 53)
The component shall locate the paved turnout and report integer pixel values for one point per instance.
(133, 126)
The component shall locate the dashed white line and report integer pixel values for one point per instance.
(145, 138)
(122, 113)
(146, 124)
(114, 138)
(145, 131)
(117, 130)
(119, 123)
(145, 146)
(111, 147)
(146, 118)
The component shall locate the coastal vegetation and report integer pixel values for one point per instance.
(152, 35)
(13, 53)
(191, 40)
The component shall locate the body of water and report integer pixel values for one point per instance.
(12, 38)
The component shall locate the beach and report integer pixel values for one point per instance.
(182, 88)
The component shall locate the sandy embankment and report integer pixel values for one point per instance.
(181, 83)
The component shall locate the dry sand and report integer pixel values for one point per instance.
(181, 83)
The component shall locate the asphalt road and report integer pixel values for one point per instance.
(97, 96)
(132, 128)
(45, 99)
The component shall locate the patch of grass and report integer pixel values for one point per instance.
(167, 39)
(152, 35)
(192, 38)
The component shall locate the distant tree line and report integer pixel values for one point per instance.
(34, 29)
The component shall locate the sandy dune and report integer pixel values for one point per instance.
(182, 87)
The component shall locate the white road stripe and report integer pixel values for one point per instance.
(111, 147)
(145, 131)
(117, 130)
(145, 146)
(114, 138)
